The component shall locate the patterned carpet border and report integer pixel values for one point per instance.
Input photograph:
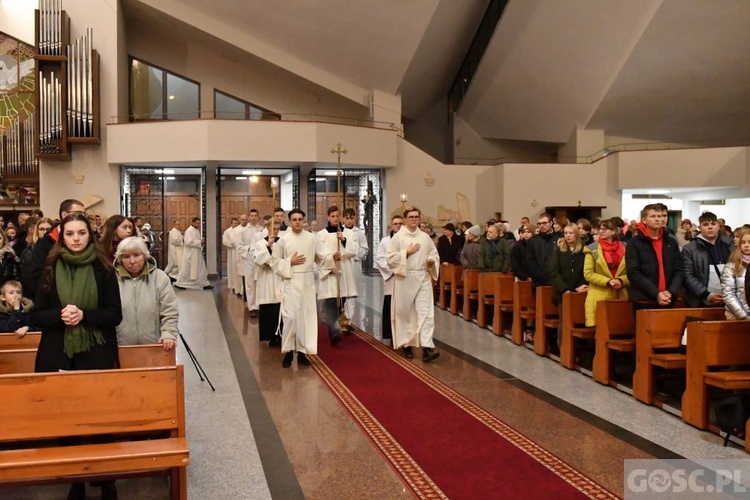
(412, 473)
(404, 465)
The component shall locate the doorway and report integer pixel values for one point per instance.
(162, 195)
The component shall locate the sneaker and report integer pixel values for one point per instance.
(302, 359)
(408, 353)
(429, 354)
(288, 359)
(528, 337)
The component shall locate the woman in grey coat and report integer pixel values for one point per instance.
(149, 304)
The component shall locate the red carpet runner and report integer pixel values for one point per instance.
(441, 444)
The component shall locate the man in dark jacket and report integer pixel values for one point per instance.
(654, 264)
(32, 271)
(539, 250)
(703, 261)
(494, 252)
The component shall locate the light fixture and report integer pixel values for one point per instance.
(168, 171)
(171, 98)
(329, 172)
(252, 172)
(658, 191)
(240, 178)
(253, 178)
(170, 178)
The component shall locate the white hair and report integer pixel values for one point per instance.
(130, 244)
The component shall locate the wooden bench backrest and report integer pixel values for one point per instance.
(131, 356)
(447, 273)
(574, 308)
(544, 305)
(28, 341)
(487, 282)
(504, 288)
(663, 328)
(522, 296)
(719, 343)
(471, 280)
(615, 318)
(82, 403)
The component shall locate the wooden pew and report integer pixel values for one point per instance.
(658, 335)
(28, 341)
(547, 316)
(131, 356)
(524, 309)
(118, 403)
(457, 292)
(471, 292)
(503, 303)
(573, 327)
(486, 296)
(712, 345)
(448, 273)
(615, 331)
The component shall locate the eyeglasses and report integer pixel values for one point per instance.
(398, 223)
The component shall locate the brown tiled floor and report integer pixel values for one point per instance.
(332, 458)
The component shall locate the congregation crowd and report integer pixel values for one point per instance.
(646, 262)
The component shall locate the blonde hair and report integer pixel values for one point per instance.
(563, 245)
(736, 258)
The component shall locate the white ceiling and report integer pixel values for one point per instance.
(659, 70)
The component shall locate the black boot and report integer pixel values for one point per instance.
(302, 359)
(408, 353)
(77, 491)
(287, 362)
(109, 492)
(429, 354)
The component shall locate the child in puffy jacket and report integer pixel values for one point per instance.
(14, 309)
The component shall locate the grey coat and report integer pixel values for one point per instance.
(149, 306)
(733, 292)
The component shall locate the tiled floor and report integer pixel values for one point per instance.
(273, 432)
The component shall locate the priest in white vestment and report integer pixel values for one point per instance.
(381, 263)
(246, 254)
(293, 258)
(227, 240)
(268, 289)
(174, 254)
(193, 273)
(414, 260)
(340, 282)
(362, 249)
(239, 256)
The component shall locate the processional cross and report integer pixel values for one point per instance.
(343, 320)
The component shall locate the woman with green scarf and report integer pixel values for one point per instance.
(77, 304)
(78, 310)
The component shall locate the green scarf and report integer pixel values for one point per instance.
(74, 277)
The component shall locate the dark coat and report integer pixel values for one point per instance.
(107, 315)
(643, 268)
(494, 256)
(449, 251)
(518, 260)
(696, 266)
(566, 272)
(539, 250)
(32, 270)
(9, 267)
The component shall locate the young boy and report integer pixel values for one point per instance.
(14, 309)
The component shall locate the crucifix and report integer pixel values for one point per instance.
(343, 320)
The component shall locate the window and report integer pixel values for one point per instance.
(228, 107)
(157, 94)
